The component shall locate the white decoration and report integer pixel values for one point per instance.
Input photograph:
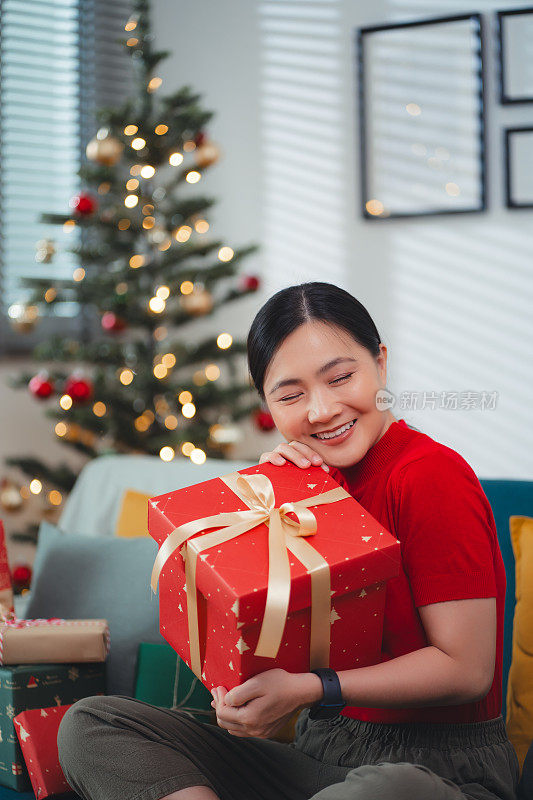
(23, 732)
(231, 666)
(241, 646)
(363, 593)
(235, 607)
(333, 617)
(366, 538)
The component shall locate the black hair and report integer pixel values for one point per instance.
(291, 307)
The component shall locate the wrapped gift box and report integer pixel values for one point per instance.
(11, 794)
(232, 577)
(164, 679)
(37, 733)
(54, 641)
(38, 686)
(6, 591)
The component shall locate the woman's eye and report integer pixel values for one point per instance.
(342, 377)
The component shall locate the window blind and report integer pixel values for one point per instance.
(60, 60)
(303, 156)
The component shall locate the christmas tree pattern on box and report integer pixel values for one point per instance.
(28, 686)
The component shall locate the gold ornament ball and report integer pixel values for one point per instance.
(197, 303)
(22, 317)
(10, 497)
(206, 154)
(104, 148)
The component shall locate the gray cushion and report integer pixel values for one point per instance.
(93, 506)
(78, 577)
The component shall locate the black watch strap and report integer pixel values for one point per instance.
(332, 702)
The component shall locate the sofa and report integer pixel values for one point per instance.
(93, 508)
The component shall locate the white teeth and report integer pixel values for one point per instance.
(338, 432)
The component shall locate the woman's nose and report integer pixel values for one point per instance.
(320, 410)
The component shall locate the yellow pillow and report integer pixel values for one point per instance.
(133, 516)
(519, 719)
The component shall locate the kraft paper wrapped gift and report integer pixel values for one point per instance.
(29, 686)
(37, 733)
(294, 577)
(52, 641)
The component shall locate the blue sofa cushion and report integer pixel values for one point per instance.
(79, 577)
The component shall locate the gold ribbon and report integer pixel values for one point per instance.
(257, 492)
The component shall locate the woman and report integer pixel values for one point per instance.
(424, 722)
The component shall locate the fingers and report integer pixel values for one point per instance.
(296, 452)
(307, 452)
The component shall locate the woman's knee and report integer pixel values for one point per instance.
(78, 723)
(391, 781)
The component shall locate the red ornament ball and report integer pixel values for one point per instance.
(249, 283)
(79, 389)
(21, 577)
(112, 323)
(264, 421)
(40, 386)
(83, 204)
(199, 139)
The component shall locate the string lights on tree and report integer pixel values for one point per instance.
(139, 376)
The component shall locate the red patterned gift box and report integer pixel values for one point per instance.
(6, 591)
(37, 732)
(294, 576)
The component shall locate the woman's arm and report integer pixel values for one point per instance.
(456, 667)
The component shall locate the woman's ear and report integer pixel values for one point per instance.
(381, 360)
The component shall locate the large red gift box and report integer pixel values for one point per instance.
(37, 732)
(350, 556)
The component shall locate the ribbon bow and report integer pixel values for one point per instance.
(10, 620)
(257, 492)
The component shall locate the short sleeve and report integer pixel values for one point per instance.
(446, 530)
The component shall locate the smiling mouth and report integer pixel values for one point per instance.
(332, 435)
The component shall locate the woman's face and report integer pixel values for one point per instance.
(316, 398)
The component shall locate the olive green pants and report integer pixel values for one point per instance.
(117, 748)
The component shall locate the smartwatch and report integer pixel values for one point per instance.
(332, 702)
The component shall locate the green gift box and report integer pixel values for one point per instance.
(164, 679)
(29, 686)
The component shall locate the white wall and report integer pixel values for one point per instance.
(451, 296)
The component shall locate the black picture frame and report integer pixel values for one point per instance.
(476, 198)
(508, 95)
(514, 172)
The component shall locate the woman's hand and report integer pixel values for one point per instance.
(297, 452)
(260, 705)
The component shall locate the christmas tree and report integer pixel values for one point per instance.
(133, 381)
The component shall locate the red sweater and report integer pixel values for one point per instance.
(430, 499)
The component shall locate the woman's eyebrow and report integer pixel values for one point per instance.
(323, 368)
